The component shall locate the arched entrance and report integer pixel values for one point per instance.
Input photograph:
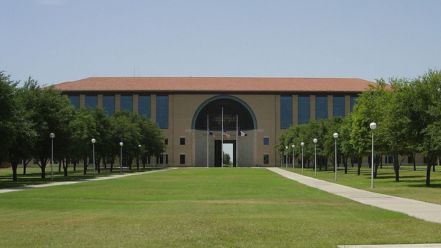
(238, 139)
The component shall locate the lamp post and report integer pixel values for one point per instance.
(315, 156)
(121, 144)
(293, 155)
(286, 156)
(373, 126)
(52, 136)
(335, 151)
(93, 154)
(302, 144)
(139, 156)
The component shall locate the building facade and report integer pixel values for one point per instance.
(193, 111)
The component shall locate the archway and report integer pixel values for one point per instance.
(239, 125)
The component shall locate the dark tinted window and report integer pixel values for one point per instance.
(127, 103)
(182, 141)
(338, 106)
(182, 159)
(109, 104)
(91, 101)
(162, 111)
(304, 105)
(321, 107)
(265, 159)
(266, 141)
(75, 101)
(144, 106)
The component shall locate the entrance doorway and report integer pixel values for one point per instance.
(229, 148)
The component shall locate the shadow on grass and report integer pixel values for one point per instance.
(35, 178)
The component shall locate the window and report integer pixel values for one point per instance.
(163, 159)
(144, 106)
(127, 103)
(75, 101)
(182, 159)
(265, 141)
(265, 159)
(285, 111)
(353, 101)
(338, 106)
(321, 107)
(165, 141)
(162, 111)
(91, 101)
(182, 141)
(109, 104)
(304, 105)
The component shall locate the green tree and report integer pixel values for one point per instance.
(50, 112)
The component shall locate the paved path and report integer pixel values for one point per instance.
(80, 181)
(418, 209)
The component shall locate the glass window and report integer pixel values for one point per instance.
(165, 141)
(109, 104)
(162, 111)
(91, 101)
(285, 111)
(127, 103)
(182, 141)
(321, 107)
(304, 105)
(144, 106)
(266, 141)
(182, 158)
(338, 106)
(265, 159)
(353, 101)
(75, 101)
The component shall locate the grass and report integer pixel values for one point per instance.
(33, 175)
(230, 207)
(411, 185)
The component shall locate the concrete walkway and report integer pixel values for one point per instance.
(79, 181)
(418, 209)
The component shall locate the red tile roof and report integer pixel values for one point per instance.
(215, 84)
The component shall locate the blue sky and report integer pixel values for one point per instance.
(63, 40)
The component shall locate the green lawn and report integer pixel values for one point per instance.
(230, 207)
(411, 185)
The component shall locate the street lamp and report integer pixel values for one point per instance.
(93, 154)
(373, 126)
(120, 157)
(315, 156)
(139, 156)
(335, 151)
(302, 144)
(293, 156)
(52, 136)
(286, 156)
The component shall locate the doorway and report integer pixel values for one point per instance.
(229, 148)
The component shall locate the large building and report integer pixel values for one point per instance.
(190, 111)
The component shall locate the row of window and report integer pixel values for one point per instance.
(126, 104)
(321, 108)
(163, 159)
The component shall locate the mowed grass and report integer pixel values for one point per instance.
(411, 185)
(230, 207)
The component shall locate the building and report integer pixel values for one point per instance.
(260, 108)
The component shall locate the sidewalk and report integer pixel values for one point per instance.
(79, 181)
(418, 209)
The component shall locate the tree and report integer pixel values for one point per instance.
(50, 112)
(8, 105)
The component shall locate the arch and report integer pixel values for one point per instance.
(203, 106)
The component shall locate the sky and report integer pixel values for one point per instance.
(63, 40)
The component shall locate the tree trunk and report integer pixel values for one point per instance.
(59, 166)
(43, 171)
(137, 163)
(98, 166)
(396, 168)
(414, 161)
(65, 166)
(25, 165)
(111, 166)
(75, 165)
(428, 169)
(359, 160)
(14, 165)
(85, 166)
